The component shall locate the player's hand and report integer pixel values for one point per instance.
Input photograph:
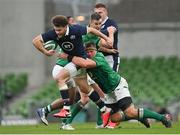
(111, 29)
(113, 51)
(62, 55)
(49, 52)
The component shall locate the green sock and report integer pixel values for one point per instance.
(77, 108)
(48, 109)
(64, 120)
(146, 113)
(99, 119)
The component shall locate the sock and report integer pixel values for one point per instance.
(93, 95)
(74, 111)
(146, 113)
(65, 96)
(99, 119)
(48, 109)
(64, 120)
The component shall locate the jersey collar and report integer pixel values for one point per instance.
(67, 31)
(105, 20)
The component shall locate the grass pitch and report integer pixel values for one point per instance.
(89, 128)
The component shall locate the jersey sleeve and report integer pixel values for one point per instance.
(49, 35)
(114, 24)
(110, 23)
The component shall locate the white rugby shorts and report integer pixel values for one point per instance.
(121, 91)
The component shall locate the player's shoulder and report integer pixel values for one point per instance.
(99, 55)
(76, 26)
(51, 31)
(111, 22)
(77, 29)
(99, 59)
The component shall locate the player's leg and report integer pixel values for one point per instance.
(73, 94)
(56, 104)
(95, 86)
(43, 112)
(81, 81)
(120, 99)
(75, 110)
(99, 122)
(62, 75)
(131, 112)
(85, 88)
(143, 113)
(78, 107)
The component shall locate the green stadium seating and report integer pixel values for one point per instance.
(158, 78)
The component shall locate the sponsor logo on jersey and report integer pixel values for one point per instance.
(68, 46)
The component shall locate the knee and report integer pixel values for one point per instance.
(84, 100)
(131, 112)
(116, 117)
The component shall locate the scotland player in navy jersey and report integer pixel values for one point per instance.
(110, 52)
(69, 39)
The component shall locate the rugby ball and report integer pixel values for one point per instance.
(50, 45)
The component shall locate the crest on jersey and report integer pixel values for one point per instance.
(68, 46)
(72, 37)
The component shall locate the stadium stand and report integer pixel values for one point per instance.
(155, 80)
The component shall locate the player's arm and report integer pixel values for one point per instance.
(111, 30)
(38, 43)
(107, 50)
(100, 34)
(104, 48)
(79, 61)
(84, 63)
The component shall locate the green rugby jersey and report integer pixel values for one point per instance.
(91, 38)
(103, 75)
(59, 61)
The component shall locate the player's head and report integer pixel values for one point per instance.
(91, 49)
(95, 21)
(71, 20)
(60, 23)
(101, 9)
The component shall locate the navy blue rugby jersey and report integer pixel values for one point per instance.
(71, 43)
(105, 25)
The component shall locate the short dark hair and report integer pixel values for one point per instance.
(95, 16)
(100, 5)
(68, 17)
(59, 21)
(90, 46)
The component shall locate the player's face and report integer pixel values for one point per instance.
(102, 12)
(91, 53)
(71, 21)
(96, 24)
(60, 31)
